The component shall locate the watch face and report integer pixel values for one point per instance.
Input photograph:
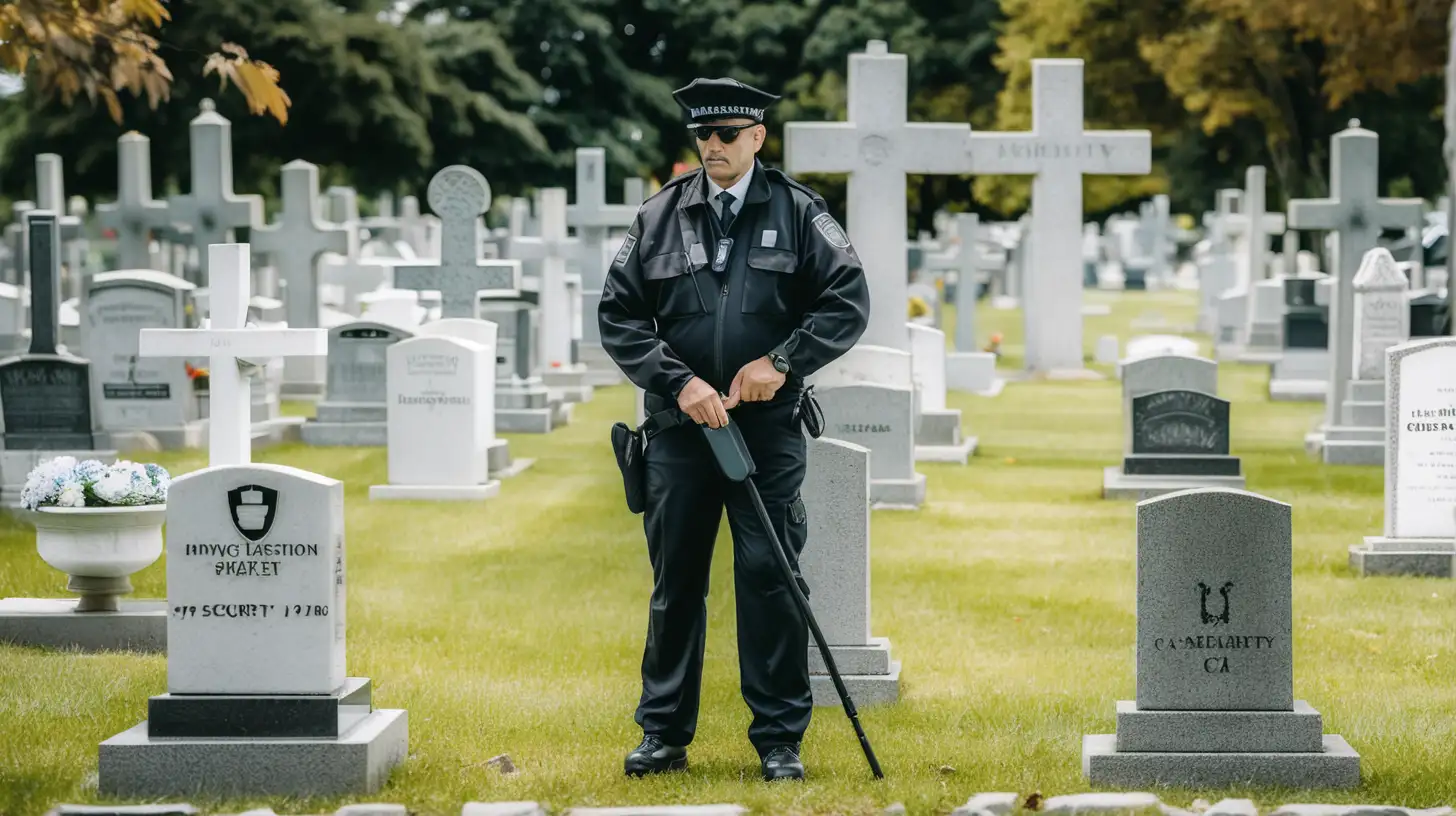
(780, 364)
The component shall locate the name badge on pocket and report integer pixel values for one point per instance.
(770, 239)
(720, 258)
(696, 256)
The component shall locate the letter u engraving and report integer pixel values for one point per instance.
(1205, 591)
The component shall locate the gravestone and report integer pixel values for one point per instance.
(593, 219)
(135, 215)
(1091, 254)
(564, 376)
(354, 407)
(1256, 226)
(1058, 153)
(485, 334)
(1381, 321)
(1219, 272)
(45, 394)
(211, 211)
(441, 420)
(459, 195)
(938, 438)
(1233, 307)
(1265, 340)
(1356, 215)
(967, 368)
(836, 494)
(1430, 314)
(1215, 702)
(1301, 374)
(877, 146)
(1420, 465)
(1177, 437)
(294, 243)
(259, 702)
(523, 403)
(135, 394)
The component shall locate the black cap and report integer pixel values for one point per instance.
(707, 100)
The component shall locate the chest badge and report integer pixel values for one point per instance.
(720, 257)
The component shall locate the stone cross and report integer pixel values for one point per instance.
(135, 213)
(1253, 225)
(553, 248)
(297, 239)
(459, 195)
(1382, 318)
(634, 191)
(967, 262)
(592, 216)
(212, 210)
(50, 195)
(343, 205)
(1058, 152)
(229, 347)
(43, 251)
(877, 147)
(1357, 215)
(1230, 202)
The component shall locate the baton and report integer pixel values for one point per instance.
(733, 458)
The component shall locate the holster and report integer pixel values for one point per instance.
(629, 445)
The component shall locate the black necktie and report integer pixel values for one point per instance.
(725, 211)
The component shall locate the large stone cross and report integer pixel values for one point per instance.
(593, 219)
(1058, 152)
(877, 147)
(297, 239)
(459, 195)
(554, 249)
(1254, 226)
(1357, 215)
(135, 213)
(229, 346)
(969, 260)
(212, 210)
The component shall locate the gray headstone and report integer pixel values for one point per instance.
(837, 568)
(1180, 422)
(1168, 372)
(1382, 319)
(356, 361)
(134, 392)
(1214, 588)
(459, 195)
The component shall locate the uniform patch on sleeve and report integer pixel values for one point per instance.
(830, 229)
(626, 251)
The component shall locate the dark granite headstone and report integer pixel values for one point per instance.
(45, 397)
(1430, 316)
(1180, 433)
(516, 316)
(1306, 323)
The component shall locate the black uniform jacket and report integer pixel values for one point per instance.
(679, 303)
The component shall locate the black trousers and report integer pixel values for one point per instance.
(686, 495)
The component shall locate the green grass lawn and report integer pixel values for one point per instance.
(516, 625)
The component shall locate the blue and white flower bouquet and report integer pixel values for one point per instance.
(66, 482)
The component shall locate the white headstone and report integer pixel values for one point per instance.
(1420, 457)
(441, 413)
(227, 343)
(878, 147)
(1382, 319)
(927, 356)
(1058, 152)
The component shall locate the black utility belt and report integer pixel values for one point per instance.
(630, 444)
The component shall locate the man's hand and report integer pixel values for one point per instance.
(756, 382)
(698, 400)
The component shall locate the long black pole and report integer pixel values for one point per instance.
(792, 581)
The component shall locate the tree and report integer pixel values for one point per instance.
(103, 47)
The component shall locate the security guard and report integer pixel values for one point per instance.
(733, 285)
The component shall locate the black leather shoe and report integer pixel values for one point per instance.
(654, 756)
(782, 763)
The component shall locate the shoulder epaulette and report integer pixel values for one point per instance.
(774, 174)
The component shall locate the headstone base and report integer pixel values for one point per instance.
(1228, 352)
(898, 494)
(278, 431)
(132, 764)
(973, 371)
(938, 438)
(500, 464)
(1251, 732)
(1118, 485)
(16, 465)
(1421, 557)
(568, 383)
(1260, 354)
(301, 391)
(1062, 375)
(261, 716)
(868, 672)
(528, 420)
(184, 437)
(481, 492)
(1267, 336)
(1298, 390)
(1302, 364)
(139, 626)
(1337, 766)
(345, 434)
(600, 369)
(1337, 451)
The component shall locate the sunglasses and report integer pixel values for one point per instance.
(726, 133)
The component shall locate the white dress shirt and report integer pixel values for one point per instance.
(739, 191)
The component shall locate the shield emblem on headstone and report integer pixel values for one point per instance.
(253, 509)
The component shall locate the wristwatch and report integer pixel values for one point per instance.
(780, 362)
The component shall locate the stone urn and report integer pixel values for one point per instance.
(100, 548)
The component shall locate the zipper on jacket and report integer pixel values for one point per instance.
(718, 331)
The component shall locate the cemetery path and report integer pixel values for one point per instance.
(515, 626)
